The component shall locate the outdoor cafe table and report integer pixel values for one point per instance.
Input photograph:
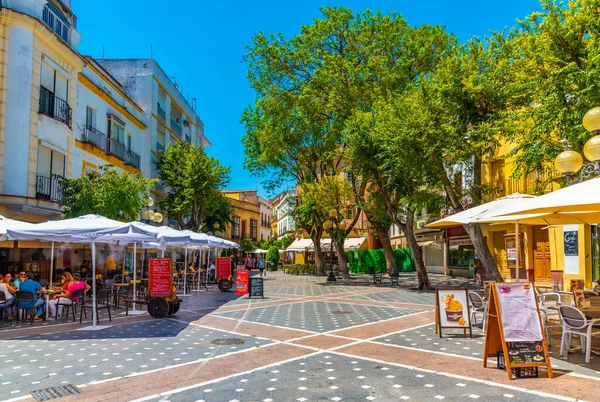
(118, 285)
(47, 297)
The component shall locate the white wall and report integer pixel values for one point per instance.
(17, 110)
(85, 97)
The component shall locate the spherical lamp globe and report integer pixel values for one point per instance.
(568, 162)
(591, 149)
(158, 217)
(591, 120)
(149, 215)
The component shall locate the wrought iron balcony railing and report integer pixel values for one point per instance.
(116, 148)
(132, 159)
(95, 137)
(55, 107)
(49, 188)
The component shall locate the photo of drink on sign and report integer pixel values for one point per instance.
(453, 308)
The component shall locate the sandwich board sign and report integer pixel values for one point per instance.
(514, 327)
(453, 310)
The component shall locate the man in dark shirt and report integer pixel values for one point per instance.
(29, 285)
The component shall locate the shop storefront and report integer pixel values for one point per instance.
(462, 259)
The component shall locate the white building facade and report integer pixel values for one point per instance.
(266, 210)
(286, 220)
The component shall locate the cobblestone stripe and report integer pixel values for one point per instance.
(563, 385)
(369, 331)
(129, 388)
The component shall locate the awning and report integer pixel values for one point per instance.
(352, 243)
(431, 243)
(300, 245)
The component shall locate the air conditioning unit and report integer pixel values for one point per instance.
(421, 223)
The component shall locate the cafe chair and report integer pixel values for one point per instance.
(102, 302)
(549, 303)
(478, 305)
(78, 294)
(24, 297)
(3, 306)
(574, 322)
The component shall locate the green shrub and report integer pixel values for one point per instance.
(273, 256)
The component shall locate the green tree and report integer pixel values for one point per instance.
(194, 182)
(273, 256)
(247, 244)
(555, 67)
(113, 194)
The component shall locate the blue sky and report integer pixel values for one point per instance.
(201, 43)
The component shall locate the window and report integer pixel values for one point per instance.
(50, 168)
(235, 228)
(116, 129)
(349, 176)
(253, 229)
(90, 117)
(129, 142)
(54, 94)
(350, 214)
(55, 21)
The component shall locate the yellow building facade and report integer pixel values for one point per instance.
(542, 248)
(245, 217)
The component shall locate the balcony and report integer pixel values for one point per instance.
(176, 127)
(132, 159)
(54, 107)
(188, 139)
(116, 148)
(49, 188)
(160, 147)
(55, 24)
(159, 186)
(94, 137)
(162, 116)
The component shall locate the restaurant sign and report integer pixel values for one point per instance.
(223, 268)
(160, 275)
(241, 281)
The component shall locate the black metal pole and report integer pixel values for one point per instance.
(331, 276)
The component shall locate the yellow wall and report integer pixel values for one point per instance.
(557, 251)
(246, 211)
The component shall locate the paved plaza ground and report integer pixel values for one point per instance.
(305, 341)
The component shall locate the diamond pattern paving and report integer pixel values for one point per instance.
(328, 376)
(319, 316)
(79, 357)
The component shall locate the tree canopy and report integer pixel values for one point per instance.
(193, 183)
(108, 192)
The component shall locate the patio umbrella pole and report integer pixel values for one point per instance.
(199, 268)
(124, 264)
(94, 311)
(517, 248)
(185, 272)
(51, 272)
(134, 272)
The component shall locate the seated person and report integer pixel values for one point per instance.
(191, 268)
(29, 285)
(212, 268)
(9, 291)
(67, 280)
(66, 298)
(21, 277)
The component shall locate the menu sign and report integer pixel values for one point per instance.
(241, 281)
(223, 268)
(571, 241)
(520, 320)
(526, 352)
(160, 276)
(453, 309)
(513, 327)
(256, 288)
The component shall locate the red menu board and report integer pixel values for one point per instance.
(241, 282)
(223, 267)
(160, 276)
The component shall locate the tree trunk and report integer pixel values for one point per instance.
(390, 261)
(409, 233)
(316, 238)
(486, 258)
(475, 234)
(476, 180)
(342, 260)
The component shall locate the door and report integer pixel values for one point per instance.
(541, 254)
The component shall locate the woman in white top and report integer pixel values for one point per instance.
(8, 290)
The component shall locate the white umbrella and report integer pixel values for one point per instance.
(84, 229)
(582, 198)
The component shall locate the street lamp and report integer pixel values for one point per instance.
(330, 225)
(569, 162)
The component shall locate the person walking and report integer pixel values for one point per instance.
(249, 263)
(261, 265)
